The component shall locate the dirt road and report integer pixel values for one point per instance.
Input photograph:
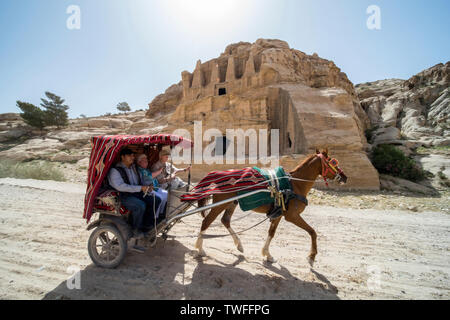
(363, 254)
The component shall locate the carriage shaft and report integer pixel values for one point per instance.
(212, 205)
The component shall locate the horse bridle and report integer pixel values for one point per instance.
(329, 165)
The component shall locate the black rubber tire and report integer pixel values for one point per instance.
(92, 249)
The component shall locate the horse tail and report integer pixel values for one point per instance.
(202, 203)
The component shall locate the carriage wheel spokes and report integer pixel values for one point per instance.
(104, 238)
(107, 247)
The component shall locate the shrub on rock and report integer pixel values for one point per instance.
(390, 160)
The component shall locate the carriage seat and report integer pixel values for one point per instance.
(109, 201)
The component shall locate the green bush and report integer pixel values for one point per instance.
(390, 160)
(369, 133)
(30, 170)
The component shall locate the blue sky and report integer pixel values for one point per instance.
(133, 50)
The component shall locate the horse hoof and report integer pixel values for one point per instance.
(311, 261)
(240, 248)
(271, 259)
(201, 253)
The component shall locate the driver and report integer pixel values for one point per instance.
(134, 196)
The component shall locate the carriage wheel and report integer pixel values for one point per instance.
(106, 246)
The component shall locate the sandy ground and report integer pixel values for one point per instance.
(363, 254)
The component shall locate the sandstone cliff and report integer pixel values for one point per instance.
(246, 66)
(268, 85)
(411, 112)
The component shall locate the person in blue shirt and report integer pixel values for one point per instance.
(150, 179)
(135, 194)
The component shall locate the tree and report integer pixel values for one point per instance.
(123, 106)
(32, 115)
(55, 110)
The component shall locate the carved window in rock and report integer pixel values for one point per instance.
(222, 91)
(289, 141)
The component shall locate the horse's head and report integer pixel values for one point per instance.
(330, 168)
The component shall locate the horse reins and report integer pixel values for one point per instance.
(327, 165)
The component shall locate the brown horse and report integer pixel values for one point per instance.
(307, 172)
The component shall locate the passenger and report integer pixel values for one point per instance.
(134, 194)
(149, 179)
(168, 175)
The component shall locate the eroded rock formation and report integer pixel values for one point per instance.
(267, 85)
(411, 112)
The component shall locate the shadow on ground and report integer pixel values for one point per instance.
(160, 274)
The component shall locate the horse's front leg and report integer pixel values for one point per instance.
(272, 229)
(205, 224)
(212, 215)
(295, 218)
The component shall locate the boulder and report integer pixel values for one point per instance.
(12, 134)
(386, 135)
(434, 163)
(66, 157)
(166, 102)
(154, 130)
(72, 139)
(83, 163)
(140, 125)
(37, 148)
(397, 184)
(120, 123)
(10, 117)
(98, 123)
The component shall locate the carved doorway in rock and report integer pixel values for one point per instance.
(222, 144)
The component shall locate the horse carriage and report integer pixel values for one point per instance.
(112, 232)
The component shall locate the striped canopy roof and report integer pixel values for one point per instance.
(104, 151)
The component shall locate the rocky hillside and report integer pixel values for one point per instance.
(68, 148)
(413, 115)
(12, 129)
(71, 143)
(409, 113)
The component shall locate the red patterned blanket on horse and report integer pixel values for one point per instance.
(225, 182)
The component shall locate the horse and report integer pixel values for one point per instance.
(303, 177)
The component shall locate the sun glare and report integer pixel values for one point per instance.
(203, 15)
(203, 10)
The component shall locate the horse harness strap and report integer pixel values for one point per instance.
(329, 165)
(281, 197)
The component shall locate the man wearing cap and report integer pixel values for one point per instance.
(134, 196)
(167, 178)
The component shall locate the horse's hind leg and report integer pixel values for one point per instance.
(202, 203)
(226, 220)
(272, 229)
